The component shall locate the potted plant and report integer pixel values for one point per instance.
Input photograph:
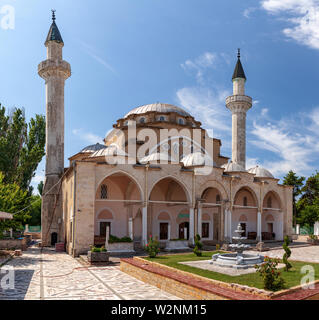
(98, 254)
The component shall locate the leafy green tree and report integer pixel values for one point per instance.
(13, 200)
(310, 192)
(291, 179)
(35, 211)
(21, 146)
(309, 214)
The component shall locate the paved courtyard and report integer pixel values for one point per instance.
(50, 276)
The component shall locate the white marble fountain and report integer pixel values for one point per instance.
(237, 260)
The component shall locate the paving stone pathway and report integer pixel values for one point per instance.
(52, 275)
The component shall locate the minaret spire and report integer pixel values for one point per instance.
(54, 70)
(239, 104)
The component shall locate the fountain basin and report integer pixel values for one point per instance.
(235, 260)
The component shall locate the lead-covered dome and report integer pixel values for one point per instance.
(197, 159)
(92, 148)
(260, 172)
(157, 107)
(233, 167)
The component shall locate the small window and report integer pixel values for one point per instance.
(205, 230)
(245, 202)
(162, 118)
(181, 121)
(103, 191)
(126, 123)
(218, 198)
(269, 203)
(142, 120)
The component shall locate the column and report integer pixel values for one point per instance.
(226, 224)
(130, 228)
(199, 221)
(144, 225)
(259, 226)
(230, 231)
(169, 232)
(191, 225)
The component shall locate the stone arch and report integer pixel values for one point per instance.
(245, 191)
(211, 195)
(164, 215)
(174, 179)
(128, 191)
(214, 184)
(276, 201)
(206, 217)
(243, 218)
(270, 217)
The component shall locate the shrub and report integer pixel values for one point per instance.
(198, 246)
(313, 237)
(217, 246)
(287, 254)
(115, 239)
(152, 248)
(97, 249)
(270, 274)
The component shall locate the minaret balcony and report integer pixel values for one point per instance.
(238, 103)
(48, 68)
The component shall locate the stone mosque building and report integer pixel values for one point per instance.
(176, 190)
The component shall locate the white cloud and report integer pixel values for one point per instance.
(87, 137)
(303, 15)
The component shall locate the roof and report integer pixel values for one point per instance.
(239, 70)
(157, 156)
(260, 172)
(112, 150)
(6, 215)
(54, 33)
(158, 107)
(233, 167)
(93, 148)
(197, 159)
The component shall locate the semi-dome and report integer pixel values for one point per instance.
(260, 172)
(197, 159)
(157, 156)
(158, 107)
(233, 167)
(92, 148)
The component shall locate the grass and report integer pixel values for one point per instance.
(292, 277)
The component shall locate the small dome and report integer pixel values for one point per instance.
(197, 159)
(233, 167)
(260, 172)
(154, 157)
(112, 150)
(92, 148)
(158, 107)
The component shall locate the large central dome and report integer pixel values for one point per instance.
(158, 107)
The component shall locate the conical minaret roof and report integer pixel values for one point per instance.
(54, 33)
(239, 70)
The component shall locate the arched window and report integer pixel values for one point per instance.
(218, 198)
(245, 202)
(181, 121)
(269, 202)
(103, 191)
(162, 118)
(142, 120)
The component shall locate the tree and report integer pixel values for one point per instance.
(309, 214)
(287, 254)
(40, 188)
(13, 200)
(21, 147)
(291, 179)
(310, 192)
(35, 211)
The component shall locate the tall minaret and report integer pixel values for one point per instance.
(239, 104)
(54, 70)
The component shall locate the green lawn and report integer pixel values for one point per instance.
(292, 277)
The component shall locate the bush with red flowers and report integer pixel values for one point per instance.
(270, 274)
(152, 248)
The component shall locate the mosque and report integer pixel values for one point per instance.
(158, 173)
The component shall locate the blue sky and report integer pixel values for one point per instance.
(126, 53)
